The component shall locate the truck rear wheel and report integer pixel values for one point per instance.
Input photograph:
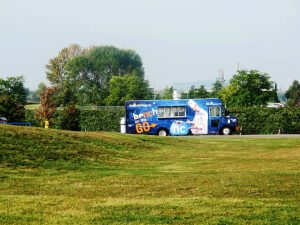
(226, 131)
(162, 132)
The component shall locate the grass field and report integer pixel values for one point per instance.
(60, 177)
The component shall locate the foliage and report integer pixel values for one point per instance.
(10, 109)
(167, 93)
(12, 98)
(254, 120)
(59, 177)
(129, 87)
(293, 94)
(263, 120)
(248, 88)
(90, 72)
(14, 88)
(58, 75)
(47, 107)
(30, 117)
(34, 96)
(55, 69)
(72, 118)
(274, 95)
(216, 88)
(199, 92)
(67, 119)
(106, 119)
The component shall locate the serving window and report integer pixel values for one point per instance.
(171, 111)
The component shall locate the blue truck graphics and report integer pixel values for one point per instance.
(178, 117)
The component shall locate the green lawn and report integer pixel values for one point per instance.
(60, 177)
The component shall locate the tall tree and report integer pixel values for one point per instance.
(293, 94)
(14, 88)
(55, 69)
(58, 75)
(34, 96)
(10, 109)
(274, 96)
(167, 93)
(47, 107)
(89, 73)
(12, 98)
(199, 92)
(129, 87)
(248, 88)
(216, 88)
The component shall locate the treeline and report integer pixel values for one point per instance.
(253, 120)
(109, 76)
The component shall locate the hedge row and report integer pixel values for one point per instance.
(254, 120)
(262, 120)
(107, 119)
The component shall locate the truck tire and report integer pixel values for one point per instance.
(162, 132)
(226, 131)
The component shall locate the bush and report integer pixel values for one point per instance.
(107, 119)
(262, 120)
(67, 119)
(10, 109)
(254, 120)
(29, 117)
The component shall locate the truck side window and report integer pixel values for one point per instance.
(215, 111)
(171, 111)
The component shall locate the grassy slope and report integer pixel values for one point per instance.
(59, 177)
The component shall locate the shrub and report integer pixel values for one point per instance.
(67, 119)
(107, 119)
(254, 120)
(262, 120)
(10, 109)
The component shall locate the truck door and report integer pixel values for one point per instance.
(214, 119)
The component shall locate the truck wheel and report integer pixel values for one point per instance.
(162, 132)
(226, 131)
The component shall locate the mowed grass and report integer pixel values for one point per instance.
(61, 177)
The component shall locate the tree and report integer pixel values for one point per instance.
(47, 108)
(55, 69)
(129, 87)
(248, 88)
(90, 72)
(216, 88)
(293, 94)
(168, 93)
(34, 96)
(274, 95)
(14, 88)
(200, 92)
(10, 109)
(58, 75)
(12, 98)
(68, 118)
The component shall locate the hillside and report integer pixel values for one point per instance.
(62, 177)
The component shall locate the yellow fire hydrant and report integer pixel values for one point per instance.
(46, 124)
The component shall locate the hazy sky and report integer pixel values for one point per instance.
(178, 40)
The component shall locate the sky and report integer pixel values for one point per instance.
(178, 40)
